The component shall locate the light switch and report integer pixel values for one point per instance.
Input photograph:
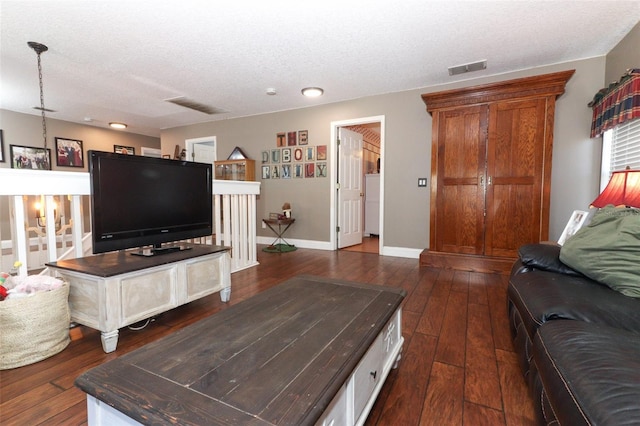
(422, 182)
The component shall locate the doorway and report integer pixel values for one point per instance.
(202, 150)
(371, 163)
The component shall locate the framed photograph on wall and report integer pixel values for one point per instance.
(69, 153)
(121, 149)
(28, 157)
(1, 147)
(578, 219)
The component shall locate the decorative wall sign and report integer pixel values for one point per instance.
(275, 172)
(310, 153)
(286, 155)
(292, 138)
(297, 154)
(285, 173)
(281, 139)
(321, 169)
(321, 152)
(265, 157)
(69, 153)
(303, 137)
(309, 170)
(275, 155)
(28, 157)
(298, 170)
(265, 172)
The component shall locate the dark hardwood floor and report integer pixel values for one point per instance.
(457, 368)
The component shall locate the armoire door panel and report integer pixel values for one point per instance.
(514, 220)
(461, 173)
(515, 166)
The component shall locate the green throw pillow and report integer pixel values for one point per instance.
(608, 249)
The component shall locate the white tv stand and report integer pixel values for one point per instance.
(112, 290)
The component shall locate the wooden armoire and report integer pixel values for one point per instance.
(490, 171)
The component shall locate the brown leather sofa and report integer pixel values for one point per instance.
(578, 342)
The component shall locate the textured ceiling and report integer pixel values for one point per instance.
(121, 60)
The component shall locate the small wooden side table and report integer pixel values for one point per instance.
(282, 226)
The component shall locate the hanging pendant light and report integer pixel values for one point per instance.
(39, 49)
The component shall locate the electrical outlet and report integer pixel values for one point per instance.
(422, 182)
(264, 225)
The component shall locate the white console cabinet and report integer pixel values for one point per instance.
(113, 290)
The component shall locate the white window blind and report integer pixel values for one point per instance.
(620, 148)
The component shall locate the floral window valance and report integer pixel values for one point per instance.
(617, 103)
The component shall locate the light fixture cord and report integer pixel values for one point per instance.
(44, 122)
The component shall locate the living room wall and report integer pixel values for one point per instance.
(406, 156)
(26, 130)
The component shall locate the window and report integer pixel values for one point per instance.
(620, 148)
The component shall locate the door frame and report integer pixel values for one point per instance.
(333, 149)
(189, 143)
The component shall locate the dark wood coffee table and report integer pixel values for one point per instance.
(308, 351)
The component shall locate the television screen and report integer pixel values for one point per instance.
(141, 201)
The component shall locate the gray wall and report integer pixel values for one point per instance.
(625, 55)
(26, 130)
(576, 158)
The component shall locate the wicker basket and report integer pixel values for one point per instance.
(34, 327)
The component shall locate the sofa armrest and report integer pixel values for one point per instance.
(544, 257)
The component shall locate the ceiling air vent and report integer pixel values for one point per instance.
(196, 106)
(473, 66)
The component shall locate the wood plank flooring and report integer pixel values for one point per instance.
(457, 368)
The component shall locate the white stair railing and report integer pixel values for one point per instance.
(29, 241)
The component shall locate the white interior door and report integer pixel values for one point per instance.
(350, 190)
(204, 153)
(201, 150)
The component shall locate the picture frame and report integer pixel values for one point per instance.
(578, 219)
(298, 154)
(286, 155)
(1, 147)
(274, 216)
(265, 157)
(29, 157)
(309, 170)
(266, 172)
(69, 153)
(150, 152)
(281, 139)
(321, 169)
(275, 172)
(310, 153)
(285, 172)
(298, 170)
(303, 137)
(292, 138)
(275, 155)
(121, 149)
(321, 152)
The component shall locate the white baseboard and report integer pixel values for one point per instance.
(409, 253)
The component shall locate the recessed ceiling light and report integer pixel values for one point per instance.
(117, 125)
(312, 92)
(271, 91)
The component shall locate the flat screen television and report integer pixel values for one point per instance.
(139, 201)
